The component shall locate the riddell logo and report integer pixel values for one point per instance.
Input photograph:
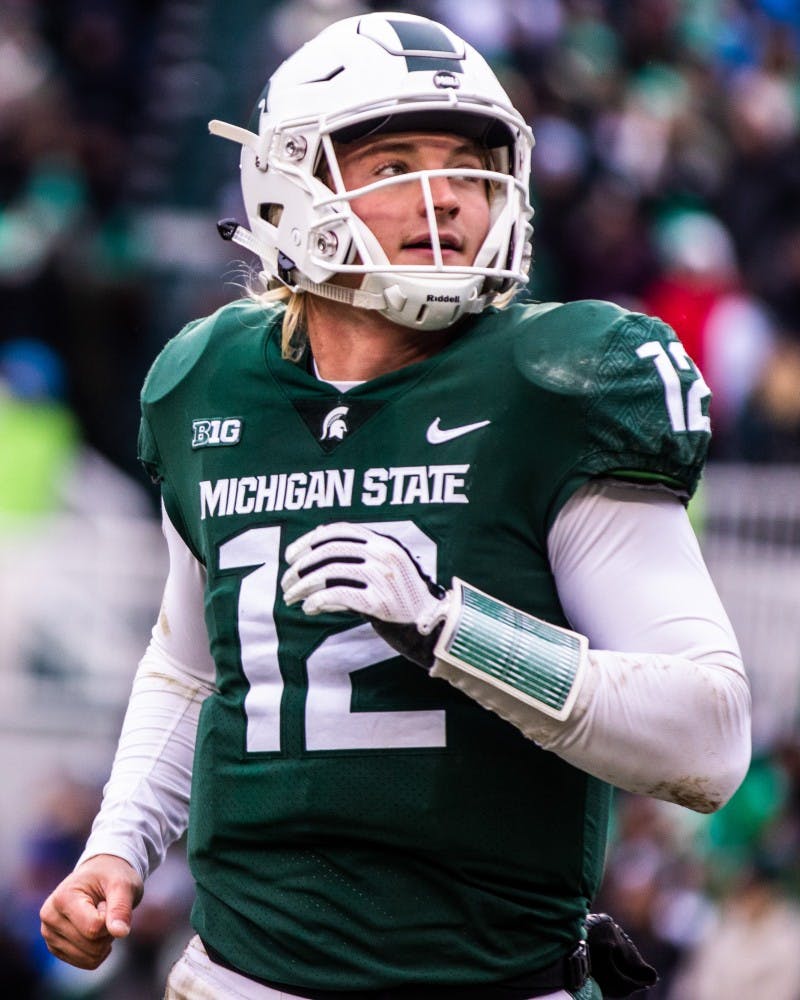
(443, 298)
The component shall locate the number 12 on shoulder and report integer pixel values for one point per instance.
(669, 362)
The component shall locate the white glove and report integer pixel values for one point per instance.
(347, 567)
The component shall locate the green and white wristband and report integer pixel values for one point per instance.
(535, 662)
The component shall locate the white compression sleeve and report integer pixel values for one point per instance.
(146, 800)
(664, 706)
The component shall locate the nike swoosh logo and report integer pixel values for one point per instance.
(436, 435)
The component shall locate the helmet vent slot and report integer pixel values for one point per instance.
(328, 76)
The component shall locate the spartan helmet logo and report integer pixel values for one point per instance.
(334, 426)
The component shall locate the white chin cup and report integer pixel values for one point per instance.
(423, 304)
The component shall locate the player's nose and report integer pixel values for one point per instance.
(444, 196)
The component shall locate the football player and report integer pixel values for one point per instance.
(432, 591)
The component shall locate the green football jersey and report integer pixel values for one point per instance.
(355, 823)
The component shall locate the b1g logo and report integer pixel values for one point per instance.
(216, 431)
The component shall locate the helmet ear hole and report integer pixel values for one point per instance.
(270, 212)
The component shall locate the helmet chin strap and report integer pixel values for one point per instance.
(235, 232)
(341, 293)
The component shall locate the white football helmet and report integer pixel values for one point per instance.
(365, 75)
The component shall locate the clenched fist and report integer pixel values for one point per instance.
(92, 907)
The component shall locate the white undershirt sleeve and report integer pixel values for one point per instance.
(146, 800)
(664, 706)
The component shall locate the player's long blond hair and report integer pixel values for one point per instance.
(293, 330)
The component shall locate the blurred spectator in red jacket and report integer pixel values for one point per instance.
(727, 332)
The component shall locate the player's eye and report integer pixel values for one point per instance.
(390, 168)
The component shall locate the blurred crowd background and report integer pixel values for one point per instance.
(666, 178)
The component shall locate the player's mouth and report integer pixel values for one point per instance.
(450, 245)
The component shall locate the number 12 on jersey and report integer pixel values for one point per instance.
(330, 722)
(669, 362)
